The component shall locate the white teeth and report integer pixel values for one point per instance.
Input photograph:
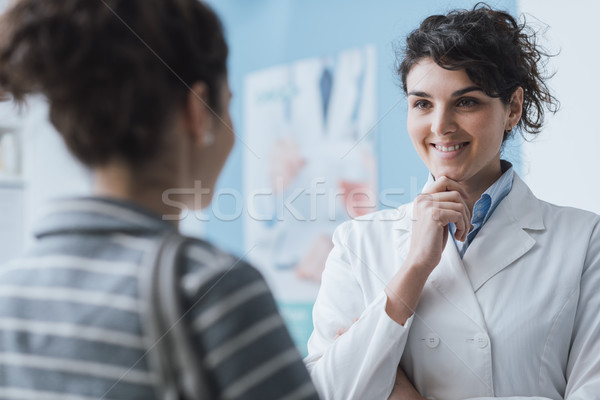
(448, 149)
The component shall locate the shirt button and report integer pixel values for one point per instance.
(481, 340)
(432, 341)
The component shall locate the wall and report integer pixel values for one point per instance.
(49, 170)
(562, 165)
(11, 184)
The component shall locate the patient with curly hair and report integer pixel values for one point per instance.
(138, 91)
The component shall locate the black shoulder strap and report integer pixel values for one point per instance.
(169, 335)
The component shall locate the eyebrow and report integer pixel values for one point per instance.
(455, 94)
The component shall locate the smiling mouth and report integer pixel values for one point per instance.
(449, 149)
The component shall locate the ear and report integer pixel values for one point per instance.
(198, 115)
(515, 108)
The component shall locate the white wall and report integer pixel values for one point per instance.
(562, 166)
(49, 171)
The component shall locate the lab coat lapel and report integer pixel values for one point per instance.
(504, 239)
(452, 281)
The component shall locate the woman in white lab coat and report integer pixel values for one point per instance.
(477, 289)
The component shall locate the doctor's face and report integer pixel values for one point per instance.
(455, 127)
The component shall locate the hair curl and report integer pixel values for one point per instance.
(497, 53)
(113, 71)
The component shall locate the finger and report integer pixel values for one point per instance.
(467, 227)
(438, 201)
(446, 185)
(451, 205)
(446, 200)
(461, 234)
(447, 216)
(447, 205)
(455, 196)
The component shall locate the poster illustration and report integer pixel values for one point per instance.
(312, 166)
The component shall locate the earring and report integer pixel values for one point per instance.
(209, 139)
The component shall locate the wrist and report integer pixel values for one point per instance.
(418, 268)
(403, 292)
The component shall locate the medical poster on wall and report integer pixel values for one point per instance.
(310, 165)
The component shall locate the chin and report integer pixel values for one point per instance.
(452, 174)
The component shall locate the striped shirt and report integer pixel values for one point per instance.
(71, 313)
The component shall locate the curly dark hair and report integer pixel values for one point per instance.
(113, 71)
(497, 53)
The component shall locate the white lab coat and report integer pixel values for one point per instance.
(517, 318)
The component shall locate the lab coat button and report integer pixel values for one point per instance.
(481, 340)
(432, 341)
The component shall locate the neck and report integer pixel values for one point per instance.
(478, 184)
(118, 181)
(474, 193)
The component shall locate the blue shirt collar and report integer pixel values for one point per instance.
(489, 200)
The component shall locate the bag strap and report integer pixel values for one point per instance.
(169, 334)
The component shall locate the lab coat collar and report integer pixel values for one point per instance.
(504, 238)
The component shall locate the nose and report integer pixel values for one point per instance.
(443, 121)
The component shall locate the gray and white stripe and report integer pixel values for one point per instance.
(73, 263)
(103, 299)
(16, 393)
(234, 300)
(261, 373)
(96, 369)
(73, 331)
(245, 338)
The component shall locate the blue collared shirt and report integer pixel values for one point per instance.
(485, 206)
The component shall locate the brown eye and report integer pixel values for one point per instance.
(421, 104)
(467, 102)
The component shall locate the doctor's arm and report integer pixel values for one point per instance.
(361, 363)
(583, 368)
